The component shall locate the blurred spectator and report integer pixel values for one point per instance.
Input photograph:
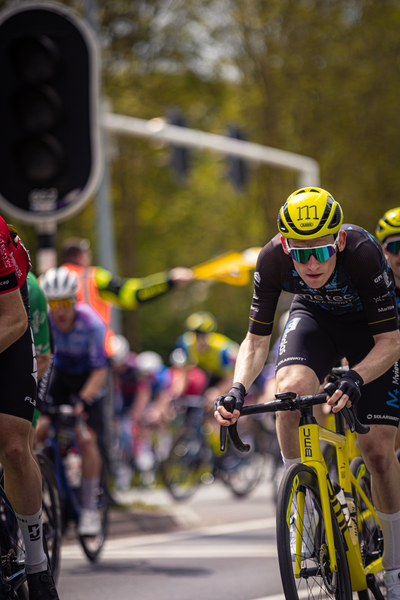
(101, 289)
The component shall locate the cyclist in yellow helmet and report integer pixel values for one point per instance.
(344, 306)
(388, 233)
(213, 352)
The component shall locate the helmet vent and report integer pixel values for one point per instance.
(336, 218)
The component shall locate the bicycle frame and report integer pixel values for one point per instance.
(67, 493)
(310, 436)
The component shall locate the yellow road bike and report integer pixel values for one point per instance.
(328, 533)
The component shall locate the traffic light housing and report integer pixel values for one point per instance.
(50, 140)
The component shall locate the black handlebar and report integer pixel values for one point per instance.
(285, 401)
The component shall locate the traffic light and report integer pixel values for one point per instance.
(49, 150)
(180, 156)
(237, 168)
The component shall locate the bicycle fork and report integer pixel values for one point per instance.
(310, 434)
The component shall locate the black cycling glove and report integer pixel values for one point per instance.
(238, 392)
(350, 384)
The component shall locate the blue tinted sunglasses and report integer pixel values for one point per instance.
(392, 246)
(320, 253)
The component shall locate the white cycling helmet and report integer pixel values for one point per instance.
(149, 362)
(178, 358)
(119, 349)
(59, 283)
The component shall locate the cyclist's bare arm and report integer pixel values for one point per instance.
(13, 319)
(382, 356)
(251, 359)
(43, 362)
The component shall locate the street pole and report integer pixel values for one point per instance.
(104, 211)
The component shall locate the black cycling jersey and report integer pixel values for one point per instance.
(361, 288)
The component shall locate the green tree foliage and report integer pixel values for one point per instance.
(315, 77)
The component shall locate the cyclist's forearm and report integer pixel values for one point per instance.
(43, 363)
(94, 383)
(251, 359)
(382, 356)
(129, 293)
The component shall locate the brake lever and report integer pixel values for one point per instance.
(229, 404)
(348, 413)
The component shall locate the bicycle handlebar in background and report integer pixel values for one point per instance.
(66, 415)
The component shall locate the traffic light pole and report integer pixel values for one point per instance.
(46, 255)
(307, 168)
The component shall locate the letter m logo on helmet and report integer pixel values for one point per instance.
(309, 213)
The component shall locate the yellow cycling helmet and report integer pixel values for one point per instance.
(309, 213)
(201, 321)
(389, 224)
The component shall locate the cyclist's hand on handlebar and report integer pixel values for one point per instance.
(348, 391)
(236, 396)
(78, 405)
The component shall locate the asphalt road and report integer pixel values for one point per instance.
(213, 546)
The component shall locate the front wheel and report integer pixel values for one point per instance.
(186, 465)
(51, 515)
(316, 578)
(92, 545)
(242, 472)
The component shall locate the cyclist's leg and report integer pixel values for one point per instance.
(22, 473)
(379, 408)
(302, 380)
(87, 439)
(306, 354)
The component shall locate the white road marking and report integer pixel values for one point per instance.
(138, 546)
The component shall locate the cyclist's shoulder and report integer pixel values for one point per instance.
(362, 250)
(186, 339)
(220, 341)
(88, 317)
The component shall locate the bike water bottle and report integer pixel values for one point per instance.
(352, 524)
(342, 501)
(73, 469)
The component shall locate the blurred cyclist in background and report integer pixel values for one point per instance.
(388, 234)
(142, 390)
(78, 378)
(41, 336)
(213, 352)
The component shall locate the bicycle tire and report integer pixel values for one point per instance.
(51, 515)
(92, 545)
(242, 472)
(316, 580)
(187, 462)
(369, 533)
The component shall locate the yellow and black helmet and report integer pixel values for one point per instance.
(309, 213)
(388, 225)
(201, 321)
